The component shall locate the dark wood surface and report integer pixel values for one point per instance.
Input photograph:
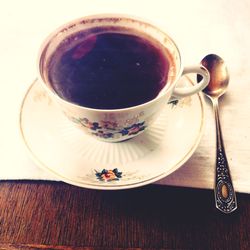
(50, 215)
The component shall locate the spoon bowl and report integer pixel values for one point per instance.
(219, 76)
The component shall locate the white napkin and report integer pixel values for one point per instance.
(198, 27)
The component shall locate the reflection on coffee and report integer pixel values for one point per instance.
(108, 70)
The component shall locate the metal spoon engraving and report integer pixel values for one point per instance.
(225, 197)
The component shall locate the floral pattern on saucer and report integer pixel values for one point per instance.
(109, 175)
(109, 129)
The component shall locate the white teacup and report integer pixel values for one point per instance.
(113, 125)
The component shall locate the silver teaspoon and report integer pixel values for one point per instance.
(225, 197)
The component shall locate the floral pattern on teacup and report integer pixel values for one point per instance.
(109, 129)
(133, 130)
(108, 175)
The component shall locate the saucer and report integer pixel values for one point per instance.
(59, 147)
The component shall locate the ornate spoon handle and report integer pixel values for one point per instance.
(225, 197)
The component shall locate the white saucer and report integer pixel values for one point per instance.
(73, 157)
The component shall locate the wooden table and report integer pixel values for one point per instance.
(54, 215)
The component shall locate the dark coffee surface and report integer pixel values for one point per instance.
(109, 70)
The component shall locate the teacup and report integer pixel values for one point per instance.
(112, 75)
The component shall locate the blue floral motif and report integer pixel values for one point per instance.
(109, 175)
(95, 126)
(133, 130)
(102, 134)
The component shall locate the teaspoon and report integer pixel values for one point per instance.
(225, 197)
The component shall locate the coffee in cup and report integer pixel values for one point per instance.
(109, 68)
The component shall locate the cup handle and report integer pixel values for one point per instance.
(180, 92)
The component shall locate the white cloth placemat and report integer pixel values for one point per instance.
(198, 27)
